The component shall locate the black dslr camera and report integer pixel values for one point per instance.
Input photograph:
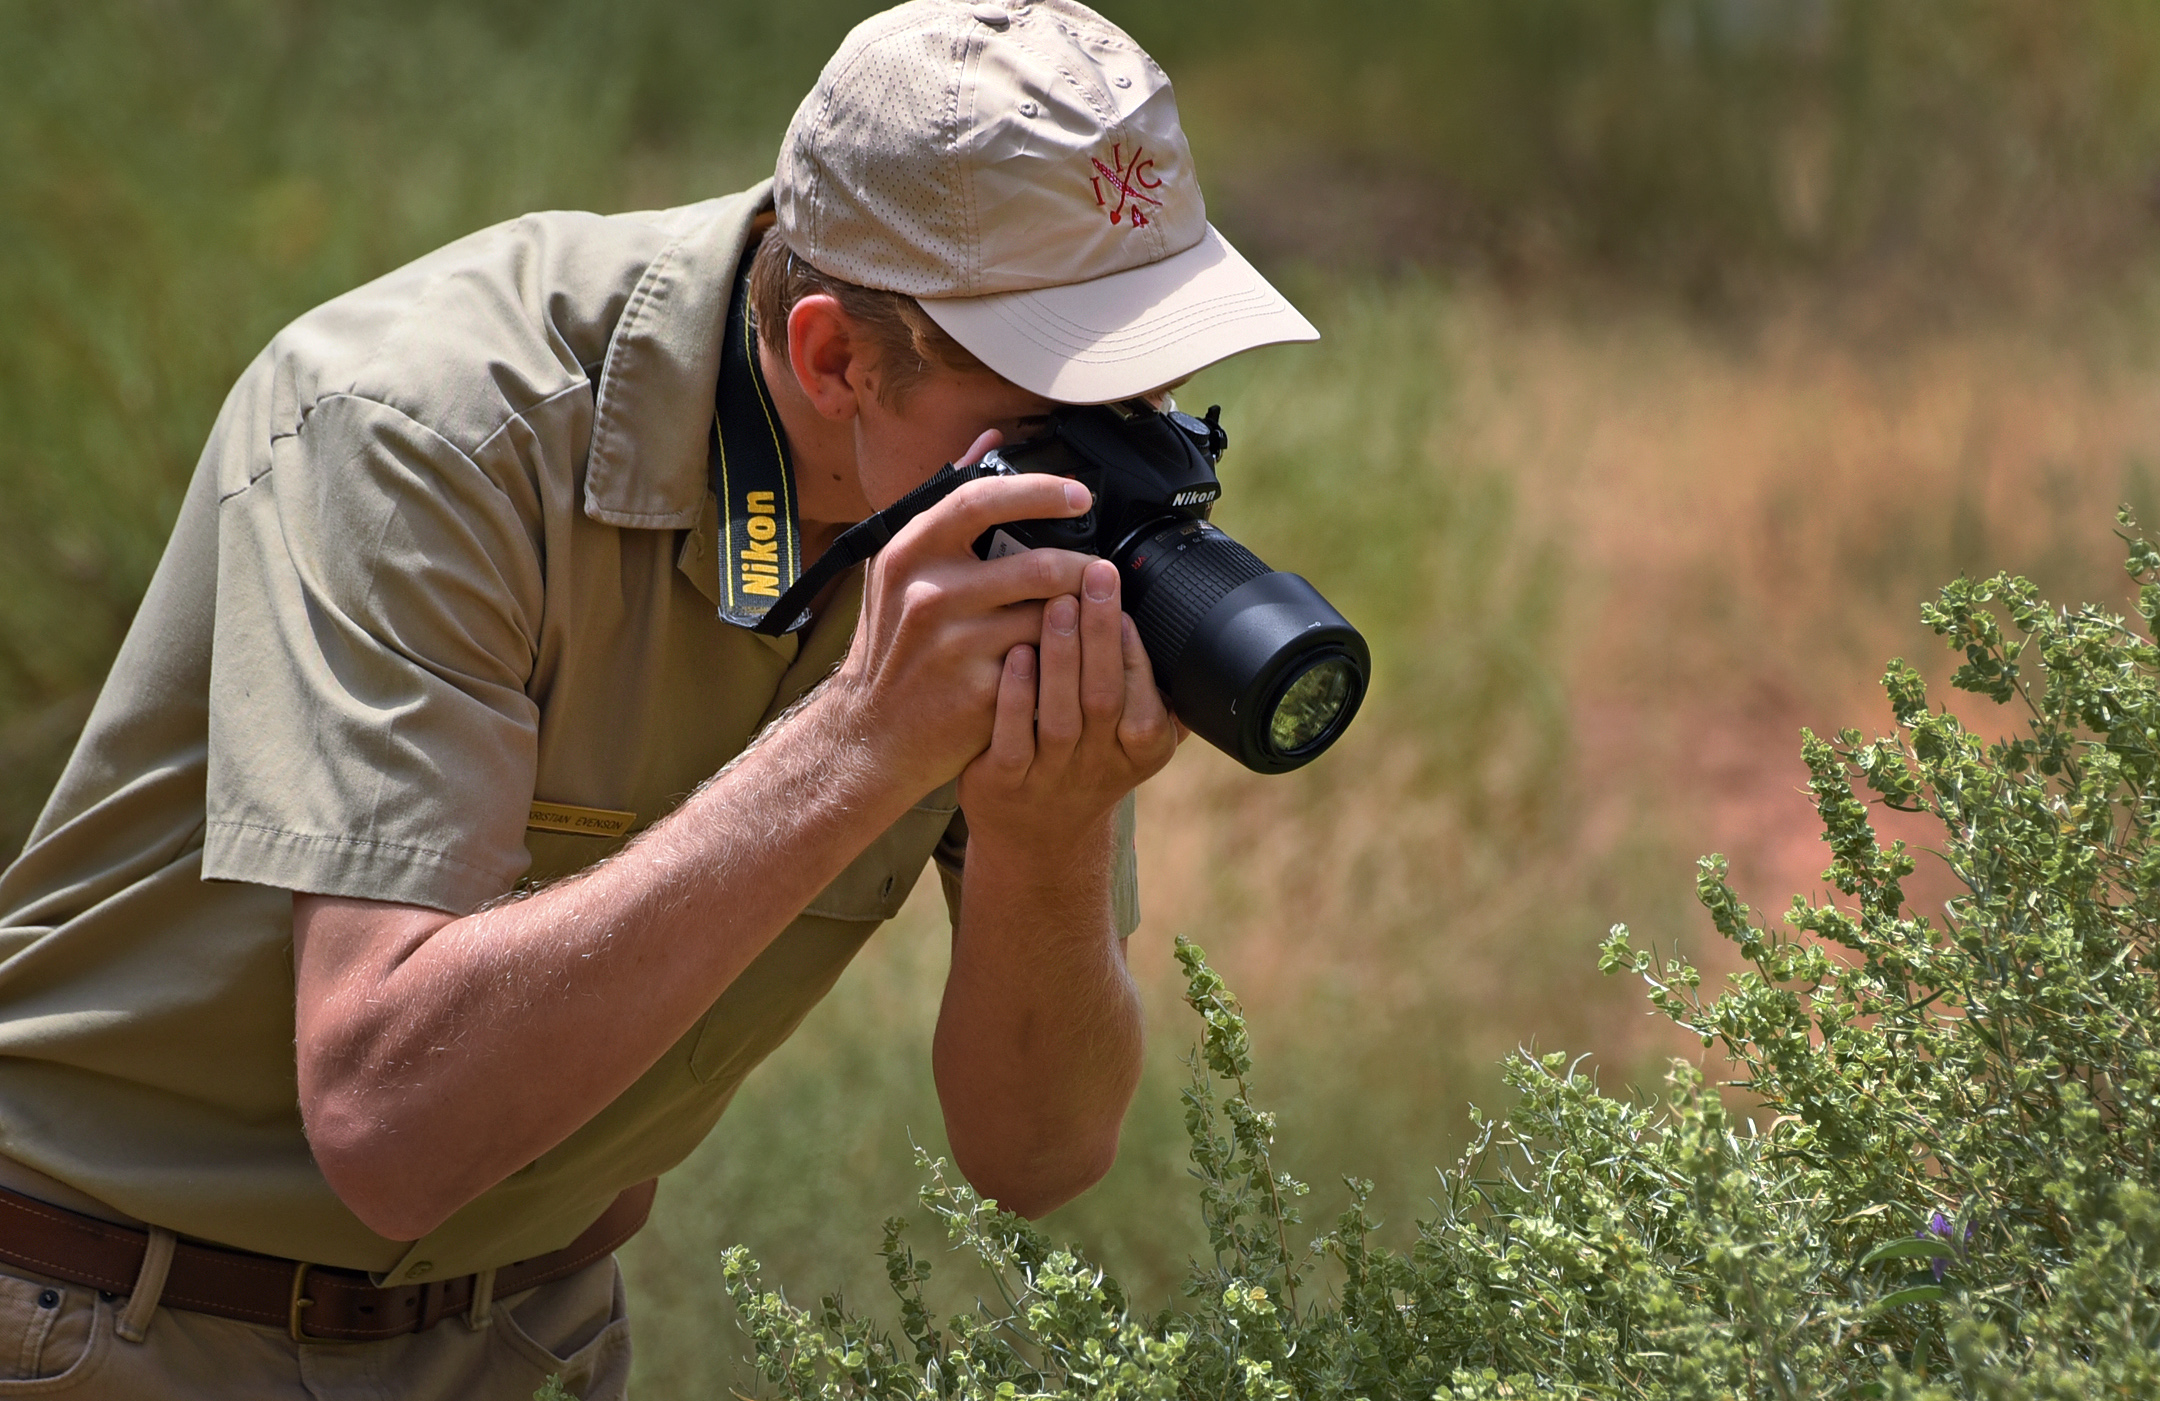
(1254, 660)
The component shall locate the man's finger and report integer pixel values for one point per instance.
(1057, 694)
(1030, 576)
(952, 525)
(975, 588)
(1102, 648)
(988, 439)
(1012, 734)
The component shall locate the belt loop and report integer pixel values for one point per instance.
(482, 1310)
(149, 1286)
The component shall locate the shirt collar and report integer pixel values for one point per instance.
(652, 411)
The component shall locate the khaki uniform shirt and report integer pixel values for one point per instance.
(446, 569)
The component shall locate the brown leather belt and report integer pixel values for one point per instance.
(316, 1302)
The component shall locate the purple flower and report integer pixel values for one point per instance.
(1939, 1226)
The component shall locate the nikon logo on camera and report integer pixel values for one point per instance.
(1196, 496)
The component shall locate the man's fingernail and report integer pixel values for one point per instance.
(1100, 581)
(1077, 496)
(1063, 614)
(1023, 663)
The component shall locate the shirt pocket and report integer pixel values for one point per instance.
(556, 855)
(877, 883)
(769, 999)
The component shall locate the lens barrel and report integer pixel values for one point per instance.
(1254, 660)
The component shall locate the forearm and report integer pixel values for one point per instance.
(1038, 1042)
(433, 1067)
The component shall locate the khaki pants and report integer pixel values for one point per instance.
(58, 1340)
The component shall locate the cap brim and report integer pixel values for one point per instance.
(1118, 336)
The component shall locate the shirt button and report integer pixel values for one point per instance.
(421, 1269)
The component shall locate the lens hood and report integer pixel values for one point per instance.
(1245, 652)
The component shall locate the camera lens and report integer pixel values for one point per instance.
(1311, 705)
(1253, 659)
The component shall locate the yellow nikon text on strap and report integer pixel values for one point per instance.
(760, 557)
(752, 478)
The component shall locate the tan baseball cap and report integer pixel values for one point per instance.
(1019, 169)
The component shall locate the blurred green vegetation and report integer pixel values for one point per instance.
(1694, 145)
(181, 179)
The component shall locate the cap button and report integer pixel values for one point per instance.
(996, 16)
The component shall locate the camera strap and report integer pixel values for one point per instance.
(860, 541)
(753, 479)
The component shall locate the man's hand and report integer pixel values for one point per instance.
(924, 674)
(1079, 724)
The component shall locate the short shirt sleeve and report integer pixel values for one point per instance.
(378, 600)
(951, 858)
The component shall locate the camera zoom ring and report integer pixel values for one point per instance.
(1189, 584)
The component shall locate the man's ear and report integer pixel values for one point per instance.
(831, 360)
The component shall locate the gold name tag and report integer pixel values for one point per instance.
(583, 822)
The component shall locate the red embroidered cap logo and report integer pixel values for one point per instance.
(1128, 181)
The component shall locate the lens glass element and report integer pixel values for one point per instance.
(1311, 705)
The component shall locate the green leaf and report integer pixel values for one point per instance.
(1908, 1248)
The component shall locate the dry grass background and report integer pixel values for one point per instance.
(1737, 529)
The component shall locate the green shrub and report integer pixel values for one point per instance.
(1951, 1192)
